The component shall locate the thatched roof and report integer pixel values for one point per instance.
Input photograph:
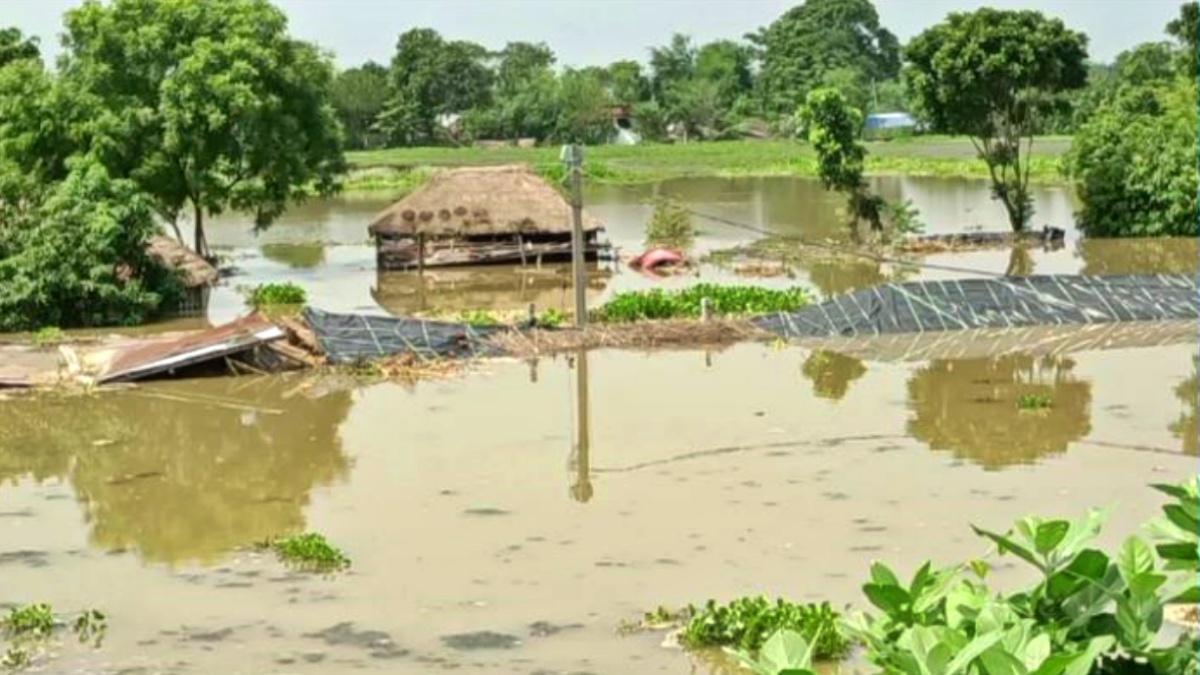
(194, 270)
(480, 201)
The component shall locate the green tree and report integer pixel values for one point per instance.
(521, 62)
(834, 129)
(1146, 64)
(696, 105)
(430, 77)
(43, 120)
(1184, 30)
(207, 104)
(359, 95)
(672, 64)
(584, 108)
(75, 254)
(14, 46)
(992, 75)
(800, 47)
(627, 84)
(726, 64)
(1134, 164)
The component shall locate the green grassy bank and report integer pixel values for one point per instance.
(941, 156)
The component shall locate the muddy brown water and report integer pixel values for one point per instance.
(323, 246)
(471, 508)
(509, 519)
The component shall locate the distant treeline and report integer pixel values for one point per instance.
(437, 90)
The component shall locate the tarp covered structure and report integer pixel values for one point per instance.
(352, 338)
(1010, 302)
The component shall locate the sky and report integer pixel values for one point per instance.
(597, 32)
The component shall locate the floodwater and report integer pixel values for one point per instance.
(509, 519)
(536, 510)
(323, 246)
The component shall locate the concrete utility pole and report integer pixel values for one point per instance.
(572, 156)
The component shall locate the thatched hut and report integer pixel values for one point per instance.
(197, 274)
(479, 216)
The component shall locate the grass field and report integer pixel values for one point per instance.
(922, 156)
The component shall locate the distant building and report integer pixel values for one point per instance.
(891, 120)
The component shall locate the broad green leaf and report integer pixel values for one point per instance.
(891, 599)
(1037, 650)
(1135, 558)
(1179, 551)
(972, 651)
(934, 591)
(1084, 530)
(1087, 567)
(920, 578)
(1179, 492)
(1076, 664)
(996, 661)
(1007, 545)
(881, 574)
(1183, 518)
(1146, 585)
(1049, 534)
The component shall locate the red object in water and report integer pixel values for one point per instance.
(658, 256)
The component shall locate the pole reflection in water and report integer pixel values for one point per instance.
(581, 489)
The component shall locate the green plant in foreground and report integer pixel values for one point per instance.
(1088, 614)
(35, 620)
(1035, 402)
(1178, 536)
(49, 336)
(310, 550)
(785, 653)
(276, 294)
(551, 318)
(480, 318)
(686, 303)
(747, 623)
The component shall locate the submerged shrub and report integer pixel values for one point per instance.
(269, 295)
(670, 226)
(685, 303)
(746, 623)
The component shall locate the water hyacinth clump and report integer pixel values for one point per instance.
(310, 551)
(686, 303)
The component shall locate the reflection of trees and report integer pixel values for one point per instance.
(300, 256)
(1020, 262)
(1152, 255)
(837, 276)
(1187, 427)
(831, 373)
(969, 407)
(185, 471)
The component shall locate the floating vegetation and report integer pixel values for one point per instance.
(275, 295)
(49, 336)
(746, 624)
(310, 551)
(686, 303)
(29, 620)
(1035, 402)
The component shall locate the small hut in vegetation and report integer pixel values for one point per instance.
(197, 274)
(479, 216)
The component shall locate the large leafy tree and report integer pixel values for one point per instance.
(584, 107)
(726, 64)
(672, 64)
(992, 75)
(431, 76)
(800, 47)
(1185, 30)
(627, 84)
(520, 62)
(74, 254)
(359, 95)
(207, 105)
(14, 46)
(1134, 161)
(834, 129)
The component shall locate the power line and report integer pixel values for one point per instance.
(837, 248)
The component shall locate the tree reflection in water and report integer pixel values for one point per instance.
(181, 471)
(831, 373)
(1187, 427)
(969, 407)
